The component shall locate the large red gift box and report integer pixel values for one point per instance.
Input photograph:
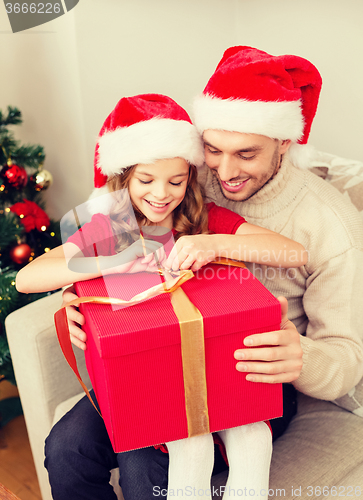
(134, 360)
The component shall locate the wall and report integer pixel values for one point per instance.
(67, 75)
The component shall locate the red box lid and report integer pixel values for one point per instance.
(230, 300)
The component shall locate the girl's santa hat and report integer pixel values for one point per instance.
(143, 129)
(255, 93)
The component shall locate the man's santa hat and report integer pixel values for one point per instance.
(256, 93)
(143, 129)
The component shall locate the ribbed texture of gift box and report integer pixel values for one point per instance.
(134, 360)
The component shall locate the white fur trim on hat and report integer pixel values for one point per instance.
(275, 119)
(149, 141)
(302, 155)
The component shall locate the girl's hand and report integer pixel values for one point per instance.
(144, 246)
(138, 266)
(75, 319)
(276, 357)
(192, 252)
(133, 259)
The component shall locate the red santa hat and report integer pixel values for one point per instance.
(143, 129)
(257, 93)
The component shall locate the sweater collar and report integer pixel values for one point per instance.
(277, 194)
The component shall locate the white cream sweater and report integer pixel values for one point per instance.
(325, 296)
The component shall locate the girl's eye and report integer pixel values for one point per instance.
(176, 183)
(144, 182)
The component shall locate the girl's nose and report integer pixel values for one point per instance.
(160, 191)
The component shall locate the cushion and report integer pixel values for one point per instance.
(345, 175)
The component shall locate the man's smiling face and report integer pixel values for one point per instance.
(242, 163)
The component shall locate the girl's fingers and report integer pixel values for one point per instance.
(150, 248)
(149, 257)
(171, 258)
(74, 315)
(178, 261)
(188, 262)
(78, 343)
(160, 253)
(68, 295)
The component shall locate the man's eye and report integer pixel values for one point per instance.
(247, 157)
(176, 183)
(213, 151)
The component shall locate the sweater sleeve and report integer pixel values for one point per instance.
(332, 347)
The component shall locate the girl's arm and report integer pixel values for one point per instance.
(50, 271)
(66, 264)
(250, 244)
(263, 246)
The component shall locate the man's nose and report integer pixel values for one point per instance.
(227, 168)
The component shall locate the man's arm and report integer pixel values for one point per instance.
(333, 347)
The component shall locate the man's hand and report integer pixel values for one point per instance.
(280, 358)
(75, 319)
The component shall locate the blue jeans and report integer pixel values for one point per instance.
(79, 457)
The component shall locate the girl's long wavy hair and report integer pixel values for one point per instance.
(189, 217)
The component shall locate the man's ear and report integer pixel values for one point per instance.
(284, 146)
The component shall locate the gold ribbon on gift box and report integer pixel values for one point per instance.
(192, 343)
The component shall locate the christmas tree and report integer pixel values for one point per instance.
(25, 228)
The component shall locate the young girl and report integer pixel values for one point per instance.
(149, 147)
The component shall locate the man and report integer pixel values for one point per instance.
(255, 116)
(255, 112)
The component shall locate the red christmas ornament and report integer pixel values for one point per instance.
(31, 215)
(21, 253)
(16, 176)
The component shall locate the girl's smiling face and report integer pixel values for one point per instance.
(158, 188)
